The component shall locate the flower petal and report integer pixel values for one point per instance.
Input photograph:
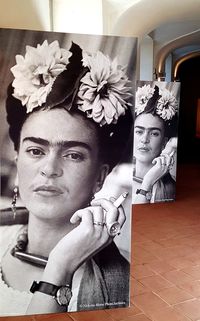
(35, 73)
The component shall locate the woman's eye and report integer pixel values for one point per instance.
(138, 132)
(74, 156)
(155, 134)
(35, 152)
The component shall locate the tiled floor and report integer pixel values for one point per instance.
(166, 255)
(165, 269)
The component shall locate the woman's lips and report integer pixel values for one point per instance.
(48, 190)
(144, 149)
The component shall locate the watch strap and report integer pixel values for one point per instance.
(147, 194)
(44, 287)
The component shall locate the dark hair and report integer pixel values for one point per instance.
(113, 138)
(170, 126)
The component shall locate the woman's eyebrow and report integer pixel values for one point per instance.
(62, 144)
(149, 128)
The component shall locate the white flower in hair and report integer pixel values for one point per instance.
(104, 89)
(167, 105)
(143, 95)
(35, 73)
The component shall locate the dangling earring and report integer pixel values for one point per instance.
(14, 200)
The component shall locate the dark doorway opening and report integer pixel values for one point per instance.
(189, 143)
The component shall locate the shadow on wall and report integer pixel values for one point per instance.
(23, 14)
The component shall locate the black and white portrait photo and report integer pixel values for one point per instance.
(155, 141)
(67, 109)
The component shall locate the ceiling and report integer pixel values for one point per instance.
(173, 25)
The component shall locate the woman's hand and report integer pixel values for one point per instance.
(163, 163)
(88, 238)
(161, 166)
(171, 146)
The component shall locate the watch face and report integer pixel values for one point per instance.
(148, 196)
(63, 295)
(145, 193)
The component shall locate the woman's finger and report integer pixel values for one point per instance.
(98, 216)
(121, 217)
(82, 215)
(93, 219)
(157, 161)
(112, 214)
(110, 211)
(163, 161)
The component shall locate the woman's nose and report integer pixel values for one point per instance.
(52, 167)
(145, 137)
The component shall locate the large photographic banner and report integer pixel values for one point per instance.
(66, 108)
(155, 141)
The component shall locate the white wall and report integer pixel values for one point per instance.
(78, 16)
(146, 59)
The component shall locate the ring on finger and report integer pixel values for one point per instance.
(113, 228)
(98, 223)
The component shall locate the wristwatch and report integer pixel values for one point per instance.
(147, 194)
(62, 294)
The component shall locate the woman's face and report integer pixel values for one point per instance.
(57, 163)
(148, 137)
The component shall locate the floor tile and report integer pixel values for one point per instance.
(191, 309)
(173, 252)
(194, 271)
(160, 266)
(23, 318)
(151, 246)
(138, 237)
(142, 270)
(90, 315)
(180, 263)
(141, 317)
(194, 257)
(51, 317)
(174, 295)
(168, 314)
(156, 282)
(177, 277)
(142, 255)
(138, 288)
(149, 302)
(192, 287)
(123, 314)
